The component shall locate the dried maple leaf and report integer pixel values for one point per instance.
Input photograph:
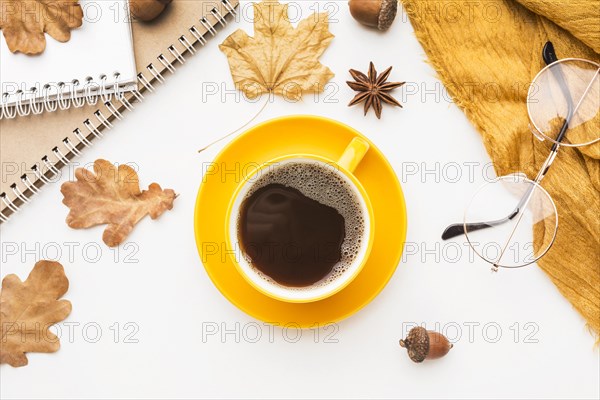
(24, 22)
(28, 309)
(112, 196)
(279, 59)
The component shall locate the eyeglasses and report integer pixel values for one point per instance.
(563, 104)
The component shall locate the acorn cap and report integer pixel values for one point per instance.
(417, 344)
(374, 13)
(387, 14)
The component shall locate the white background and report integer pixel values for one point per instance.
(164, 291)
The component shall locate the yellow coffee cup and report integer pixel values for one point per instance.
(343, 168)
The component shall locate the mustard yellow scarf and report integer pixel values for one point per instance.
(500, 41)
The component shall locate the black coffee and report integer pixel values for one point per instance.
(289, 237)
(300, 224)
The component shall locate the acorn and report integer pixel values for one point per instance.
(374, 13)
(425, 345)
(147, 10)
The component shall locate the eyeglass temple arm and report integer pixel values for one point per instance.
(455, 230)
(549, 56)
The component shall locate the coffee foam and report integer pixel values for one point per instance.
(324, 184)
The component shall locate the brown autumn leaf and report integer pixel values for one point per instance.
(24, 22)
(28, 309)
(112, 196)
(279, 59)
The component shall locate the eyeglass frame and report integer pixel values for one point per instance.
(550, 58)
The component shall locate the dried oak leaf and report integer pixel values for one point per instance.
(112, 196)
(28, 309)
(24, 22)
(279, 58)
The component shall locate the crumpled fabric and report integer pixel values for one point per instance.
(474, 43)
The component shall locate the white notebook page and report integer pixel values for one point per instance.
(101, 47)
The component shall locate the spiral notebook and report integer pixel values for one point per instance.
(34, 148)
(97, 60)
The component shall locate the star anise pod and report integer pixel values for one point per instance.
(373, 89)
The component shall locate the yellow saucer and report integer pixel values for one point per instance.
(271, 139)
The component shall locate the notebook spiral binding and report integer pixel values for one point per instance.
(65, 98)
(116, 105)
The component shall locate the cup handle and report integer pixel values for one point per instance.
(354, 154)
